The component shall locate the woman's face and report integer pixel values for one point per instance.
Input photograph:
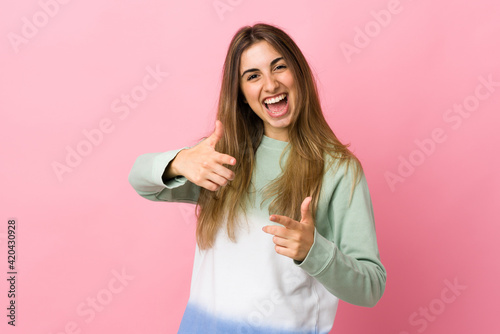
(268, 87)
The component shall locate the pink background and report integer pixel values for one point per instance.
(390, 93)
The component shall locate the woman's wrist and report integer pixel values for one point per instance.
(172, 170)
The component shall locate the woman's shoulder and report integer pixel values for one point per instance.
(342, 166)
(343, 177)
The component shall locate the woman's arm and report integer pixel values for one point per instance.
(150, 178)
(344, 256)
(159, 176)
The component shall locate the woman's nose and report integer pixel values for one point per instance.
(271, 84)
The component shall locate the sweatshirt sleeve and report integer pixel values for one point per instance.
(146, 178)
(344, 258)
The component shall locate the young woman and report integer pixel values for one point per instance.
(285, 221)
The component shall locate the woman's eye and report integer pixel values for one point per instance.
(279, 67)
(250, 77)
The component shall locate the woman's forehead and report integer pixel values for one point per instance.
(259, 55)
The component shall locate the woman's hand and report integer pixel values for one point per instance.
(295, 239)
(202, 164)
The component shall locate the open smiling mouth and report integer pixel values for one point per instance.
(277, 106)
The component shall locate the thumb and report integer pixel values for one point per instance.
(216, 135)
(305, 210)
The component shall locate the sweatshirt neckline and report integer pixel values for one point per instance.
(273, 143)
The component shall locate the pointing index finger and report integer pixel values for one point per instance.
(285, 221)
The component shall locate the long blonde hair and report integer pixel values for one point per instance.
(310, 140)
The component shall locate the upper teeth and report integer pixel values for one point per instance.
(275, 99)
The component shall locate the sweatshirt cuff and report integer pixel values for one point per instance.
(320, 255)
(160, 163)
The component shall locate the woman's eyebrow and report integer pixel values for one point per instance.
(256, 69)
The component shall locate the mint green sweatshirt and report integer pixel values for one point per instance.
(246, 287)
